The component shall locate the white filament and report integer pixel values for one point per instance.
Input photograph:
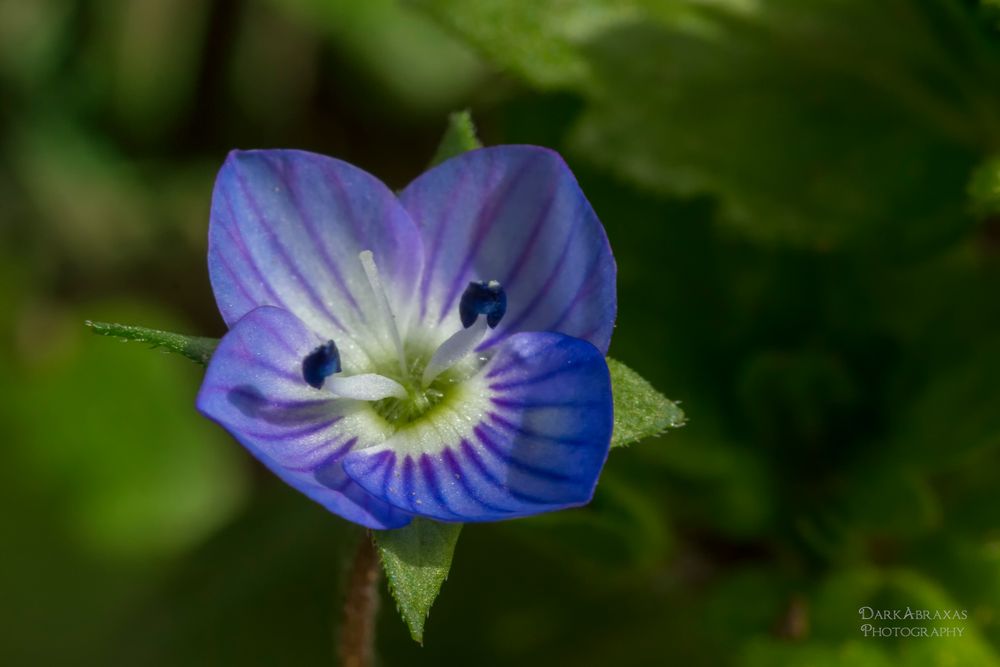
(454, 349)
(365, 387)
(382, 301)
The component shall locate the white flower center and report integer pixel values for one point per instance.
(416, 382)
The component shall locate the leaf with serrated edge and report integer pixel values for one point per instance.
(416, 559)
(196, 348)
(640, 410)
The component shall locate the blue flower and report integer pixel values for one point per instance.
(439, 353)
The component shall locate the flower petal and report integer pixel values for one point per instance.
(286, 230)
(514, 214)
(255, 389)
(528, 434)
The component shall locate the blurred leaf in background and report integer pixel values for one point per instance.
(93, 511)
(161, 481)
(814, 123)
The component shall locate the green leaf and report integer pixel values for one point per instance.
(140, 472)
(653, 76)
(845, 132)
(406, 61)
(416, 560)
(535, 40)
(640, 410)
(966, 391)
(459, 137)
(198, 349)
(984, 188)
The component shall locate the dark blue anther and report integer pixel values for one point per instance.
(483, 298)
(321, 363)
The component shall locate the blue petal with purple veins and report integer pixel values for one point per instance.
(514, 214)
(541, 439)
(254, 388)
(286, 228)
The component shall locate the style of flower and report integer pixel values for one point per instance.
(439, 353)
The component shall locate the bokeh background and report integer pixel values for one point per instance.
(804, 201)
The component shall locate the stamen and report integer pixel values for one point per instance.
(388, 318)
(453, 349)
(483, 298)
(480, 298)
(324, 361)
(320, 364)
(366, 387)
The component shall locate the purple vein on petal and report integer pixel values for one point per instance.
(338, 183)
(283, 253)
(443, 225)
(236, 235)
(294, 379)
(470, 453)
(486, 219)
(371, 463)
(512, 363)
(527, 382)
(389, 461)
(313, 230)
(499, 371)
(278, 336)
(343, 449)
(288, 405)
(331, 459)
(590, 283)
(522, 466)
(342, 485)
(534, 435)
(542, 292)
(304, 432)
(406, 486)
(462, 477)
(541, 405)
(509, 281)
(223, 260)
(427, 470)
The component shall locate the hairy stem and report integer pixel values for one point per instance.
(357, 629)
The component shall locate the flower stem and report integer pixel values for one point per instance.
(357, 629)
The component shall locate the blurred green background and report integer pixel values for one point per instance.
(804, 201)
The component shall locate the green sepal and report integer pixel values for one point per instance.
(640, 411)
(198, 349)
(416, 560)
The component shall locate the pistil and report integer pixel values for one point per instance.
(385, 310)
